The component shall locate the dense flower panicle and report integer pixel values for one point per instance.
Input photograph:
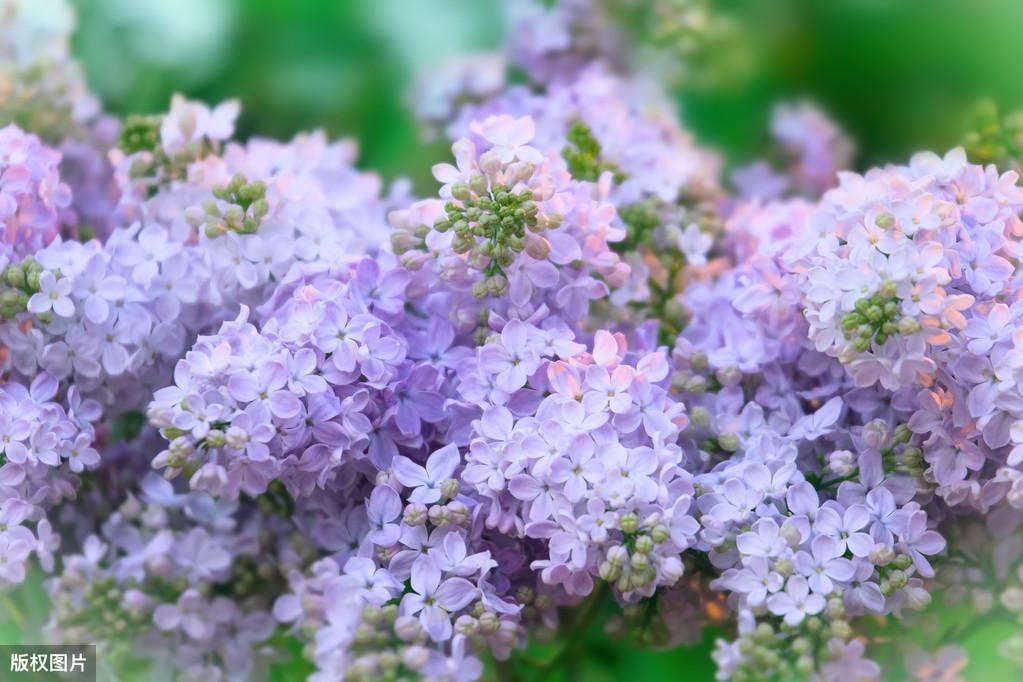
(555, 42)
(910, 283)
(32, 196)
(810, 150)
(815, 148)
(44, 448)
(621, 135)
(413, 434)
(177, 580)
(515, 237)
(45, 94)
(111, 318)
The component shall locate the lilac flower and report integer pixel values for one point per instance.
(426, 481)
(796, 602)
(267, 387)
(188, 615)
(580, 470)
(756, 580)
(435, 600)
(53, 295)
(763, 541)
(13, 553)
(382, 508)
(824, 564)
(375, 585)
(919, 542)
(846, 527)
(511, 358)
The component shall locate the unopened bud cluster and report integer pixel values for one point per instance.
(246, 208)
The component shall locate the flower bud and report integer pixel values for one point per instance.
(408, 629)
(698, 360)
(903, 561)
(458, 513)
(538, 248)
(875, 433)
(660, 533)
(489, 623)
(617, 555)
(609, 572)
(699, 416)
(695, 385)
(841, 629)
(1012, 599)
(729, 376)
(449, 488)
(908, 326)
(882, 554)
(415, 657)
(729, 442)
(672, 570)
(644, 544)
(438, 515)
(215, 438)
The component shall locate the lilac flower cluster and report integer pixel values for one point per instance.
(405, 435)
(911, 288)
(188, 597)
(32, 196)
(44, 448)
(811, 151)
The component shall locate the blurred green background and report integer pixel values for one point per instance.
(898, 75)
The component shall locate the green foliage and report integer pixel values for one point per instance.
(583, 155)
(995, 138)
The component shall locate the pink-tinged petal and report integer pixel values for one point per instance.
(564, 379)
(653, 366)
(605, 348)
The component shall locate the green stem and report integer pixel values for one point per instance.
(15, 613)
(576, 633)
